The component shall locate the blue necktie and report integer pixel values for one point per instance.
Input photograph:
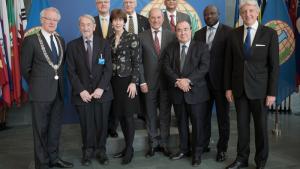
(53, 50)
(247, 44)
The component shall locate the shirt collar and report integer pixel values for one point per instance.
(91, 39)
(45, 33)
(106, 17)
(187, 44)
(215, 26)
(254, 26)
(159, 30)
(133, 15)
(174, 13)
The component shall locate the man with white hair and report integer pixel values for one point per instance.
(250, 79)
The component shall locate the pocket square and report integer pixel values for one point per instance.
(260, 45)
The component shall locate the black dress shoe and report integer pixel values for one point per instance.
(196, 162)
(119, 155)
(237, 165)
(165, 151)
(85, 162)
(151, 152)
(127, 158)
(141, 117)
(179, 155)
(103, 159)
(221, 156)
(206, 150)
(61, 164)
(260, 167)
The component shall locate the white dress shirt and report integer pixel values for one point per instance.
(159, 34)
(135, 23)
(175, 15)
(47, 37)
(252, 31)
(213, 29)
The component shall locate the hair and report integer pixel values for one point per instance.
(152, 9)
(249, 2)
(211, 6)
(179, 22)
(90, 17)
(100, 0)
(42, 14)
(118, 14)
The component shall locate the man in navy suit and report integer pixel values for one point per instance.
(215, 34)
(250, 79)
(103, 27)
(90, 70)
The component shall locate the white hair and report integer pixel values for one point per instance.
(249, 2)
(90, 17)
(42, 14)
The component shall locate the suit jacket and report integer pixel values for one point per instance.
(143, 23)
(126, 57)
(179, 17)
(80, 76)
(215, 76)
(152, 62)
(37, 72)
(98, 30)
(257, 76)
(195, 68)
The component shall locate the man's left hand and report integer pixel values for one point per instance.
(97, 93)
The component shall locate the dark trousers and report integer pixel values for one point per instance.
(46, 125)
(158, 99)
(196, 112)
(93, 122)
(222, 109)
(244, 107)
(113, 120)
(128, 129)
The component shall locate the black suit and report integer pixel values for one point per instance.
(98, 30)
(46, 96)
(157, 96)
(143, 23)
(216, 85)
(93, 115)
(179, 17)
(251, 80)
(192, 103)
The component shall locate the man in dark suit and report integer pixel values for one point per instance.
(42, 60)
(103, 26)
(250, 77)
(186, 64)
(153, 84)
(104, 31)
(136, 23)
(90, 70)
(215, 34)
(172, 16)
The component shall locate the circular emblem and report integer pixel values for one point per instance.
(182, 6)
(286, 39)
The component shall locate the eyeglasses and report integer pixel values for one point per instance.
(51, 19)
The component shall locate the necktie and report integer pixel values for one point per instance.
(104, 27)
(156, 43)
(210, 37)
(182, 57)
(53, 50)
(172, 23)
(89, 53)
(130, 25)
(247, 44)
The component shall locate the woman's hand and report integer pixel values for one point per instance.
(131, 90)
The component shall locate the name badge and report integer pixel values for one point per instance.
(101, 60)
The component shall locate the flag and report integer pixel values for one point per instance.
(15, 59)
(237, 19)
(21, 19)
(34, 14)
(4, 81)
(297, 23)
(276, 16)
(262, 5)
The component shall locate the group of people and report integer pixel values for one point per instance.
(124, 61)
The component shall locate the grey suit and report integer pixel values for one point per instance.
(157, 97)
(179, 17)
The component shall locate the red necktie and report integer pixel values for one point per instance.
(156, 43)
(172, 23)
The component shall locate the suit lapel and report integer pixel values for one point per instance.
(167, 21)
(240, 36)
(256, 37)
(163, 40)
(217, 34)
(177, 57)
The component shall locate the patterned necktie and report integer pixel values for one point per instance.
(210, 37)
(104, 27)
(172, 23)
(247, 44)
(182, 57)
(156, 43)
(53, 50)
(89, 53)
(130, 25)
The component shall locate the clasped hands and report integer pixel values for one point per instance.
(183, 84)
(87, 97)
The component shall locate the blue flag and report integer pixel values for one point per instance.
(298, 43)
(277, 17)
(34, 14)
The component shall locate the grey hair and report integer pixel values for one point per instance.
(249, 2)
(90, 17)
(42, 14)
(152, 9)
